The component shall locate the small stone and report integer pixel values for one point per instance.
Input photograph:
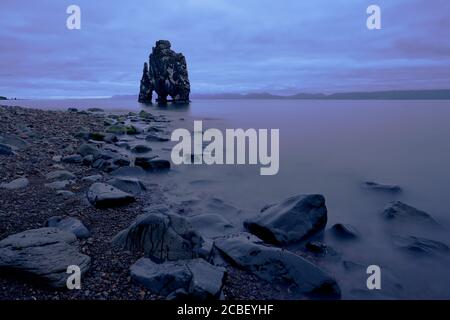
(345, 231)
(141, 149)
(150, 164)
(93, 178)
(5, 150)
(19, 183)
(69, 224)
(58, 185)
(60, 175)
(102, 195)
(73, 158)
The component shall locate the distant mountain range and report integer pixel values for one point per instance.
(370, 95)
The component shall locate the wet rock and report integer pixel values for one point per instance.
(152, 164)
(290, 221)
(401, 212)
(69, 224)
(420, 246)
(60, 175)
(102, 195)
(5, 150)
(110, 138)
(96, 136)
(382, 187)
(110, 161)
(146, 115)
(191, 279)
(211, 225)
(122, 129)
(72, 109)
(44, 254)
(277, 265)
(344, 231)
(87, 149)
(141, 148)
(74, 158)
(166, 73)
(130, 185)
(162, 236)
(19, 183)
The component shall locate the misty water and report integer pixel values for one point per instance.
(331, 148)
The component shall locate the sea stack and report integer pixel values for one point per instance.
(166, 74)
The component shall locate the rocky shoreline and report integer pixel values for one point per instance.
(73, 192)
(43, 177)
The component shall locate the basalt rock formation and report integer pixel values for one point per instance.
(166, 74)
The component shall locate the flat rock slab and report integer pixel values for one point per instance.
(69, 224)
(194, 279)
(19, 183)
(291, 221)
(161, 236)
(102, 195)
(43, 254)
(277, 265)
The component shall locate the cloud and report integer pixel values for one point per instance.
(250, 45)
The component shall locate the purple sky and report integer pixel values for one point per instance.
(231, 46)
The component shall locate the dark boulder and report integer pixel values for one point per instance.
(277, 265)
(161, 236)
(291, 221)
